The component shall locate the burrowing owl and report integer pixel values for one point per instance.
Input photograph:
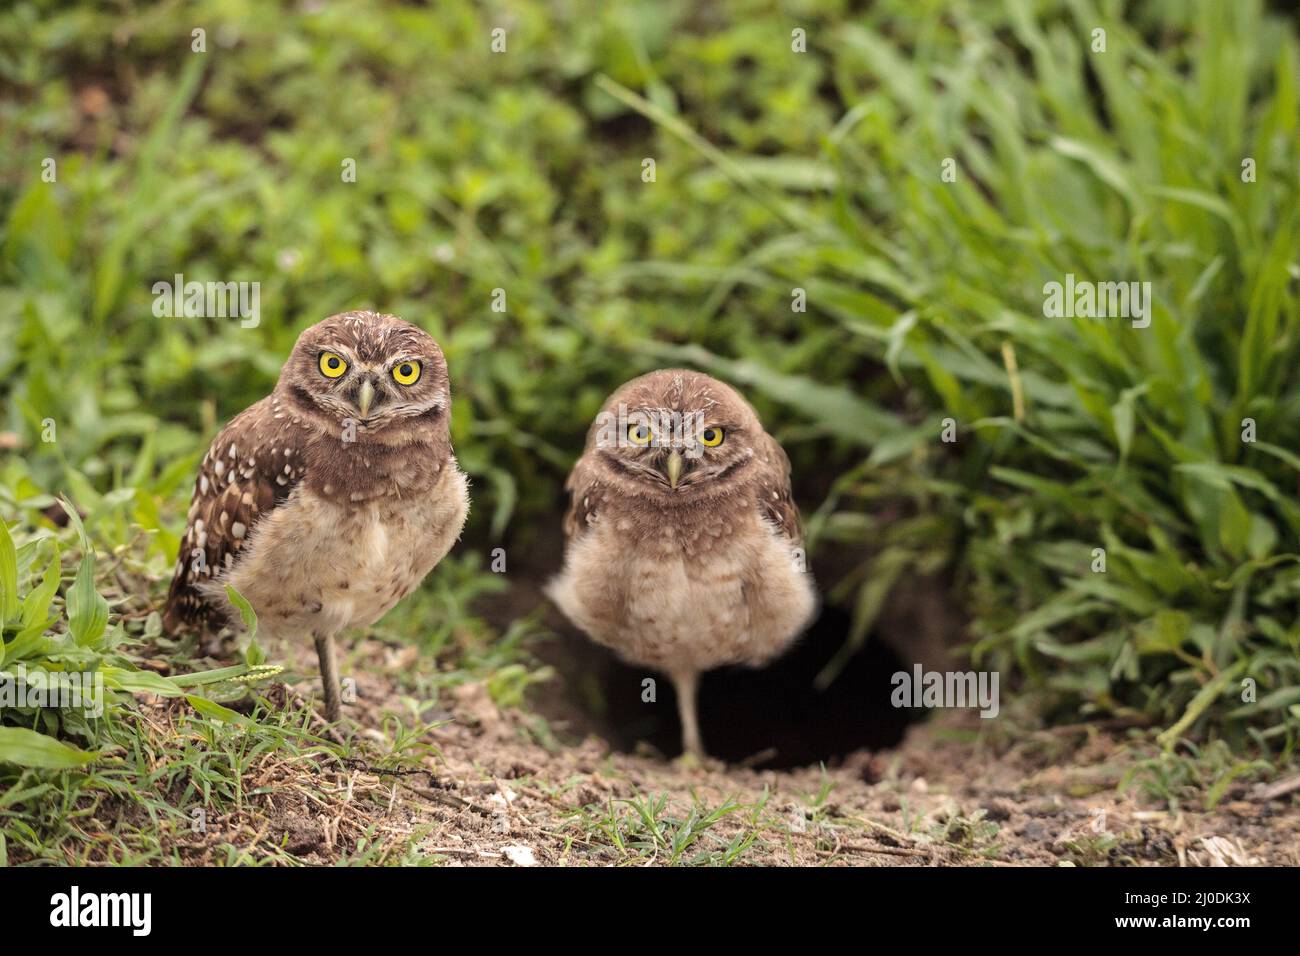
(328, 501)
(684, 545)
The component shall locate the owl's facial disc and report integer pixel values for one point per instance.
(676, 453)
(365, 376)
(337, 388)
(377, 394)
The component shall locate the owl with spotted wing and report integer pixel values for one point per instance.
(684, 550)
(328, 501)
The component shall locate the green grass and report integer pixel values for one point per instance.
(129, 782)
(775, 171)
(1197, 777)
(1164, 450)
(646, 829)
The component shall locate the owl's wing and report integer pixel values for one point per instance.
(775, 500)
(253, 464)
(586, 496)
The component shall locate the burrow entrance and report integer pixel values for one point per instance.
(775, 717)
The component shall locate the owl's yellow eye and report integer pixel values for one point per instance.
(332, 365)
(406, 373)
(638, 434)
(711, 437)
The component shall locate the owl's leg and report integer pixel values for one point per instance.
(329, 676)
(686, 684)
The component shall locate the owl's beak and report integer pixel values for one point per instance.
(675, 462)
(365, 397)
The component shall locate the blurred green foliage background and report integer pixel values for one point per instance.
(774, 170)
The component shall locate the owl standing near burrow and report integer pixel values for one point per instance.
(328, 501)
(684, 548)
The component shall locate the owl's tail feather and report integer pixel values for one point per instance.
(184, 608)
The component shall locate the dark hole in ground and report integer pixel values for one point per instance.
(746, 712)
(743, 712)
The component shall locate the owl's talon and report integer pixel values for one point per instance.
(335, 734)
(689, 761)
(694, 763)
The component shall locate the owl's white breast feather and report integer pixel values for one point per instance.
(733, 598)
(318, 566)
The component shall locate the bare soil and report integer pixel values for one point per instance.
(492, 794)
